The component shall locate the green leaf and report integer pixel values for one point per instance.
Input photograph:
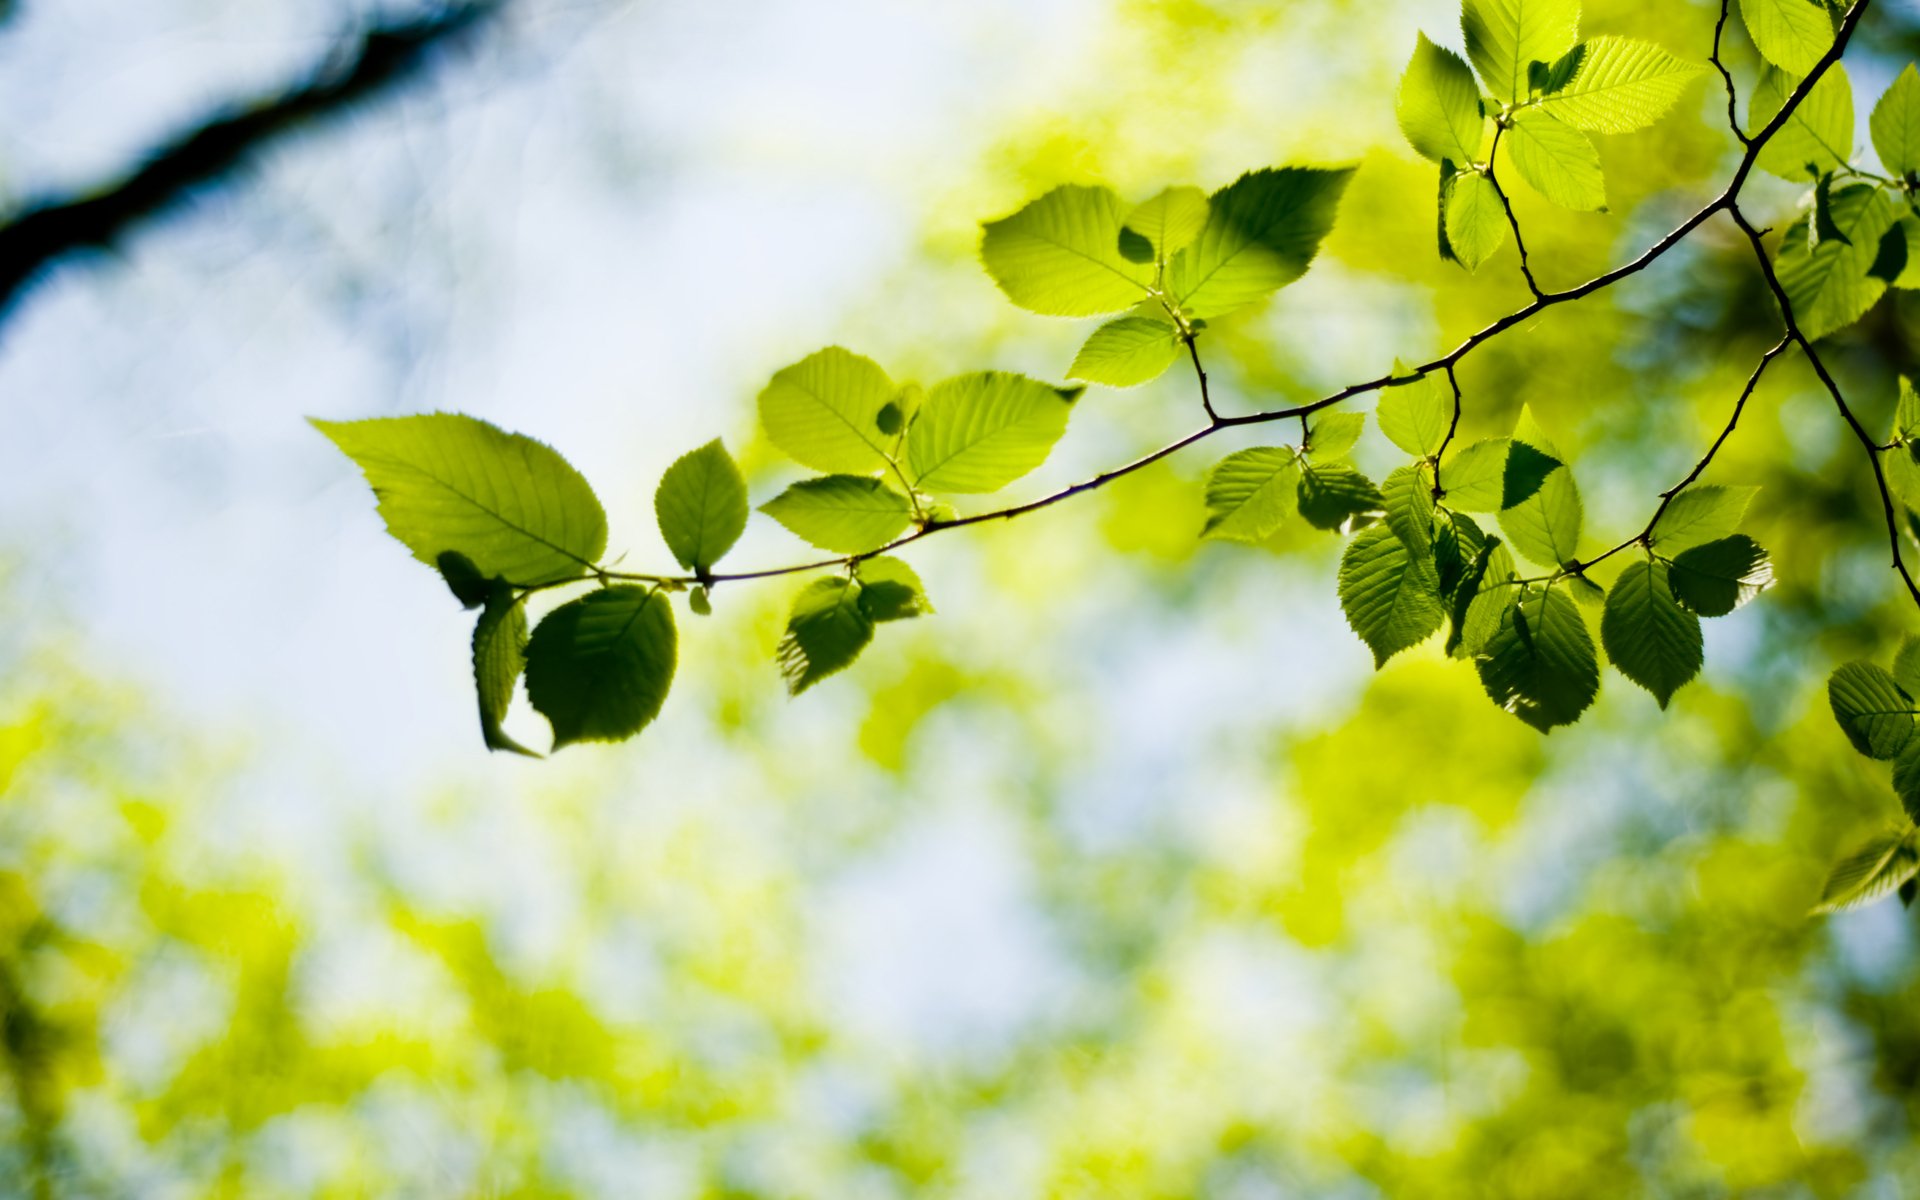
(1903, 471)
(1885, 864)
(1830, 285)
(1332, 494)
(890, 591)
(1250, 493)
(1890, 260)
(847, 514)
(463, 579)
(1906, 779)
(980, 432)
(1906, 412)
(1704, 512)
(1476, 220)
(702, 506)
(1479, 611)
(1652, 640)
(510, 505)
(1540, 665)
(824, 412)
(1416, 416)
(1527, 469)
(1793, 35)
(1333, 435)
(1715, 578)
(826, 630)
(1908, 226)
(1818, 137)
(1168, 223)
(1541, 512)
(1439, 106)
(1824, 228)
(1127, 352)
(1261, 234)
(1906, 665)
(1561, 72)
(1621, 85)
(598, 668)
(1874, 711)
(499, 656)
(1896, 124)
(699, 602)
(1558, 160)
(1407, 496)
(1475, 477)
(1504, 36)
(1390, 595)
(1060, 255)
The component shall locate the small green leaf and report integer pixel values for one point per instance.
(701, 505)
(1874, 711)
(1715, 578)
(1262, 232)
(1896, 124)
(699, 603)
(510, 505)
(1476, 220)
(1332, 494)
(1831, 285)
(1823, 227)
(1561, 73)
(1558, 160)
(1169, 222)
(847, 514)
(1906, 665)
(1620, 85)
(980, 432)
(1407, 496)
(499, 656)
(1250, 493)
(1704, 512)
(1504, 36)
(1906, 779)
(890, 591)
(1474, 479)
(1060, 255)
(598, 668)
(1884, 865)
(1439, 106)
(1890, 260)
(464, 580)
(1127, 352)
(826, 630)
(1791, 34)
(1333, 435)
(1545, 522)
(1652, 640)
(1817, 137)
(1527, 469)
(1479, 612)
(1416, 416)
(824, 412)
(1540, 665)
(1390, 596)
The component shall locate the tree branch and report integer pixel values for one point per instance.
(1520, 243)
(382, 58)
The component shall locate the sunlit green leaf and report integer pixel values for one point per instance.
(1390, 595)
(1060, 255)
(1830, 285)
(701, 505)
(1475, 477)
(1540, 665)
(1704, 512)
(1169, 222)
(1333, 435)
(1558, 160)
(1127, 352)
(824, 410)
(826, 630)
(891, 591)
(1332, 494)
(980, 432)
(1476, 220)
(1896, 124)
(1541, 512)
(1715, 578)
(1504, 36)
(1653, 641)
(598, 668)
(847, 514)
(1621, 85)
(1439, 106)
(1876, 869)
(499, 656)
(1251, 492)
(1262, 231)
(1818, 136)
(1416, 416)
(1791, 34)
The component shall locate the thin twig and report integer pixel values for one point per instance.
(1733, 115)
(1513, 222)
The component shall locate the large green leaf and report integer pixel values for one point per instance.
(1541, 512)
(1332, 494)
(1817, 137)
(1540, 665)
(1476, 219)
(1873, 710)
(1653, 641)
(980, 432)
(1505, 36)
(1164, 225)
(1250, 493)
(1262, 232)
(847, 514)
(1333, 435)
(1390, 595)
(1416, 416)
(1876, 869)
(1621, 85)
(598, 668)
(702, 506)
(499, 656)
(1704, 512)
(826, 630)
(1718, 577)
(1474, 478)
(1127, 352)
(891, 591)
(1480, 600)
(1791, 34)
(1830, 285)
(1896, 124)
(510, 505)
(824, 412)
(1407, 496)
(1439, 106)
(1558, 160)
(1060, 255)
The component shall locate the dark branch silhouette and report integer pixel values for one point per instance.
(374, 62)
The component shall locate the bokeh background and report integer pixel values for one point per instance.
(1124, 876)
